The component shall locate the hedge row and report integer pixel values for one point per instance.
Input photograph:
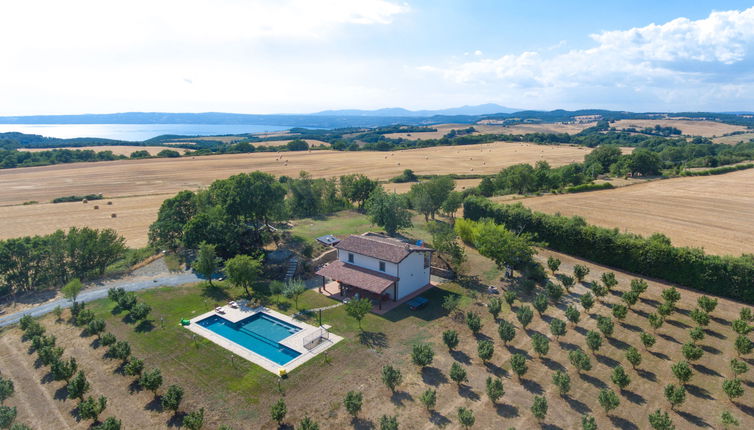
(67, 199)
(727, 276)
(589, 187)
(717, 170)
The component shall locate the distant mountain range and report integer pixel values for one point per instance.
(484, 109)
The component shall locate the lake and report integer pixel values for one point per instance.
(135, 132)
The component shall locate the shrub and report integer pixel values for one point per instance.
(620, 378)
(572, 314)
(307, 424)
(473, 321)
(660, 420)
(466, 417)
(675, 395)
(580, 272)
(494, 388)
(696, 334)
(620, 311)
(194, 420)
(742, 345)
(608, 400)
(388, 422)
(605, 325)
(553, 264)
(134, 366)
(120, 350)
(741, 327)
(429, 399)
(422, 354)
(633, 356)
(458, 373)
(6, 389)
(391, 377)
(682, 372)
(557, 328)
(540, 344)
(485, 349)
(691, 351)
(707, 304)
(507, 331)
(353, 402)
(91, 408)
(562, 381)
(524, 315)
(171, 400)
(588, 423)
(738, 367)
(494, 307)
(278, 410)
(140, 311)
(518, 365)
(554, 291)
(95, 327)
(107, 339)
(110, 423)
(593, 341)
(580, 360)
(151, 380)
(727, 419)
(639, 286)
(510, 297)
(450, 338)
(7, 416)
(539, 408)
(700, 317)
(540, 303)
(733, 388)
(655, 321)
(78, 386)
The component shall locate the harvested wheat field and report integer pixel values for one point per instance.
(443, 129)
(687, 126)
(116, 149)
(712, 212)
(400, 188)
(734, 139)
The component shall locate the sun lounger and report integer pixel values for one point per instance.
(219, 310)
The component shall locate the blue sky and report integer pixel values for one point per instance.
(303, 56)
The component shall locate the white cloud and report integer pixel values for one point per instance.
(679, 64)
(94, 55)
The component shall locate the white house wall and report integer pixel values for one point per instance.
(412, 274)
(368, 262)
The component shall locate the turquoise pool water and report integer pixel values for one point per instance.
(260, 333)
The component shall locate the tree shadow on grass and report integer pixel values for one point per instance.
(715, 334)
(116, 310)
(592, 380)
(134, 387)
(552, 364)
(632, 397)
(711, 349)
(176, 419)
(284, 306)
(514, 350)
(144, 327)
(721, 321)
(748, 410)
(495, 369)
(660, 355)
(650, 302)
(154, 405)
(640, 312)
(215, 293)
(398, 397)
(61, 393)
(438, 419)
(699, 392)
(506, 411)
(678, 324)
(466, 392)
(550, 427)
(373, 339)
(633, 328)
(580, 330)
(668, 337)
(47, 378)
(617, 343)
(362, 424)
(568, 346)
(532, 386)
(95, 343)
(460, 357)
(694, 419)
(705, 370)
(577, 405)
(646, 374)
(607, 361)
(623, 423)
(433, 376)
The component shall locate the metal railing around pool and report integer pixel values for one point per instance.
(312, 340)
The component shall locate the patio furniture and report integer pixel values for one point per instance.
(417, 303)
(219, 310)
(233, 305)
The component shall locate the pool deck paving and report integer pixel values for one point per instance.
(295, 342)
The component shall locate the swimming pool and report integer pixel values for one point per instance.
(259, 333)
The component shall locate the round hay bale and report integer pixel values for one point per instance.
(113, 215)
(109, 203)
(399, 164)
(96, 207)
(85, 201)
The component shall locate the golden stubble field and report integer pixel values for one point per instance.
(443, 129)
(116, 149)
(687, 126)
(712, 212)
(141, 185)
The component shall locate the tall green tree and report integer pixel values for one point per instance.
(428, 197)
(207, 261)
(357, 188)
(388, 210)
(358, 309)
(243, 271)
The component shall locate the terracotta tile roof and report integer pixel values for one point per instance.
(378, 246)
(360, 277)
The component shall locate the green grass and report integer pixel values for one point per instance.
(341, 223)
